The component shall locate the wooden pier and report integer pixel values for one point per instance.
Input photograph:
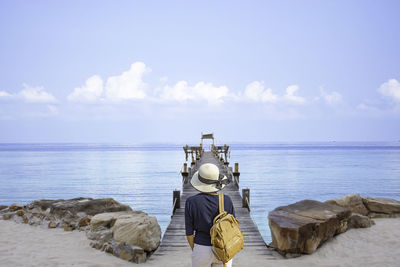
(174, 238)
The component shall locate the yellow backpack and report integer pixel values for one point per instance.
(226, 237)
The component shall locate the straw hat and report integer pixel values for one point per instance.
(208, 179)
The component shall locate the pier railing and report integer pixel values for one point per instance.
(221, 153)
(174, 237)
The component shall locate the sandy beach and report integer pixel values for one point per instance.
(24, 245)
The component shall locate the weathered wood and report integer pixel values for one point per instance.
(246, 198)
(176, 197)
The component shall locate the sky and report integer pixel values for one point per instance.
(165, 71)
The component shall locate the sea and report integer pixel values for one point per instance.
(144, 176)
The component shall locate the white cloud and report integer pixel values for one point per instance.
(36, 95)
(291, 97)
(4, 94)
(255, 91)
(129, 85)
(30, 95)
(90, 92)
(391, 89)
(331, 98)
(182, 92)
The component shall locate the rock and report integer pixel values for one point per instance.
(138, 229)
(140, 255)
(8, 215)
(104, 235)
(20, 212)
(108, 248)
(303, 226)
(107, 220)
(72, 208)
(383, 215)
(89, 206)
(126, 255)
(75, 212)
(35, 220)
(2, 207)
(352, 201)
(359, 221)
(68, 227)
(85, 221)
(15, 207)
(52, 224)
(132, 228)
(382, 205)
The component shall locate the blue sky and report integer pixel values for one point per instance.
(164, 71)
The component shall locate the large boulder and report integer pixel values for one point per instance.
(138, 230)
(2, 207)
(69, 214)
(15, 207)
(382, 205)
(353, 202)
(130, 235)
(107, 220)
(303, 226)
(72, 207)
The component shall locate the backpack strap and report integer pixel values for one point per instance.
(221, 203)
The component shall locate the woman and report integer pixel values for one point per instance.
(200, 211)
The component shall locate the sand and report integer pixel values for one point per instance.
(24, 245)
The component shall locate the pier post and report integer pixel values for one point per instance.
(236, 174)
(192, 163)
(186, 151)
(176, 197)
(246, 198)
(226, 152)
(185, 173)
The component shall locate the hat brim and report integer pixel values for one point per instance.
(202, 187)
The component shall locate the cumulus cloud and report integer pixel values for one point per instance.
(182, 92)
(255, 92)
(36, 95)
(90, 92)
(391, 89)
(4, 94)
(31, 94)
(331, 98)
(129, 85)
(291, 96)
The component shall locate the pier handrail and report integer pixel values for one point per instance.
(174, 206)
(248, 204)
(176, 201)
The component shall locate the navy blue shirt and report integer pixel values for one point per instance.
(200, 211)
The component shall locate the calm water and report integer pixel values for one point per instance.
(145, 176)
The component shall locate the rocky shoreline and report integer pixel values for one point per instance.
(302, 227)
(113, 227)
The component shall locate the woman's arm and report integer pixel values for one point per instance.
(190, 239)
